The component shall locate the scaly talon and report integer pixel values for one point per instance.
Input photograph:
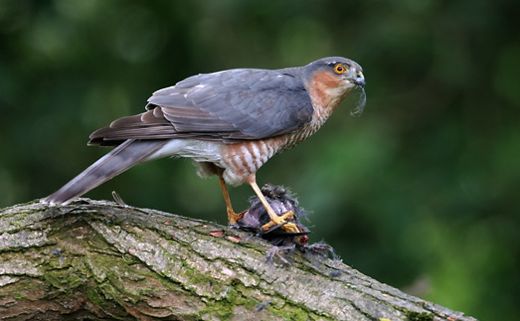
(234, 217)
(282, 219)
(282, 222)
(275, 219)
(291, 228)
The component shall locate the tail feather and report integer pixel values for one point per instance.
(121, 158)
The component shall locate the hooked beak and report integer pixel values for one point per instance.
(359, 80)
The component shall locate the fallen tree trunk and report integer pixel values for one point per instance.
(103, 261)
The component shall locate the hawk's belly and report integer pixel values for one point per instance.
(240, 160)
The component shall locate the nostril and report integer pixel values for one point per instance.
(360, 81)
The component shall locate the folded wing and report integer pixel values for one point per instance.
(237, 104)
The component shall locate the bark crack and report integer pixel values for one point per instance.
(100, 260)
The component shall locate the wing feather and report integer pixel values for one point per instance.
(237, 104)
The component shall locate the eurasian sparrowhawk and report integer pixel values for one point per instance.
(229, 123)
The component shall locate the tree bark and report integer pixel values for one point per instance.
(97, 260)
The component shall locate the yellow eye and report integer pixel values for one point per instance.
(340, 69)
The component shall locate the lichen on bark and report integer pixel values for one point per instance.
(103, 261)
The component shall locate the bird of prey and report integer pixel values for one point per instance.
(229, 123)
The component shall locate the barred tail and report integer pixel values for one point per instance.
(129, 153)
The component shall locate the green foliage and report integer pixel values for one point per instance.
(423, 187)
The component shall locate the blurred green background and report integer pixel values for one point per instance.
(421, 192)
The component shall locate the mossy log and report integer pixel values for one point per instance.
(96, 260)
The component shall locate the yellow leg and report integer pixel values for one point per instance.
(233, 216)
(275, 219)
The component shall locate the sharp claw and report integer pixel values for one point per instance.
(282, 222)
(233, 217)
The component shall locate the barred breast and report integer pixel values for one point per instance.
(240, 160)
(243, 159)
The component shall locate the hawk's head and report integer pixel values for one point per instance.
(330, 79)
(347, 72)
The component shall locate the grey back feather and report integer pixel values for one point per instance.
(231, 105)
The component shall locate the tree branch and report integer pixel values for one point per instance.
(103, 261)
